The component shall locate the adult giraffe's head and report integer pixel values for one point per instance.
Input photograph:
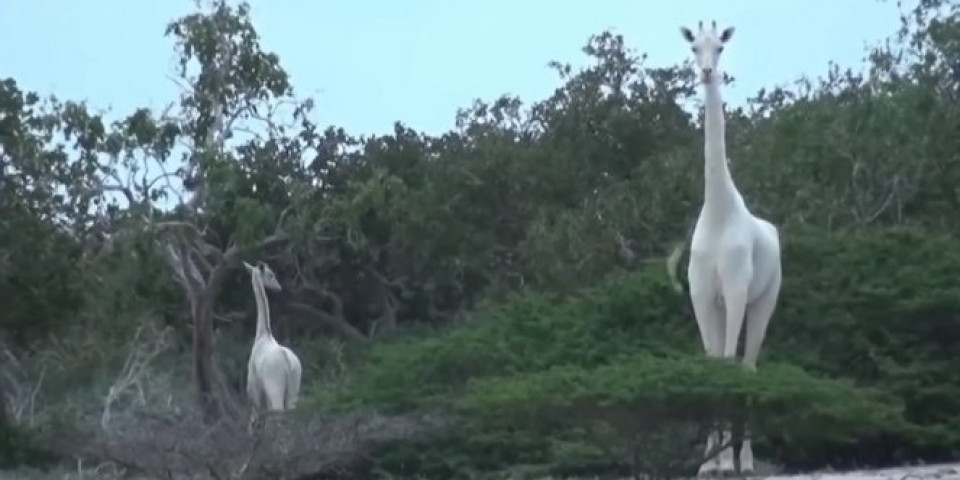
(707, 45)
(266, 275)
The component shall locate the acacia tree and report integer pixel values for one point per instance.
(250, 162)
(236, 91)
(122, 182)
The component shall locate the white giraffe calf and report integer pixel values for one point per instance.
(273, 372)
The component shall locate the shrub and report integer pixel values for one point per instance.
(880, 307)
(645, 413)
(529, 333)
(877, 309)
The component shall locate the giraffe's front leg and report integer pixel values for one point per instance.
(747, 468)
(710, 467)
(727, 467)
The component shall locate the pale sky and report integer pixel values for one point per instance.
(369, 63)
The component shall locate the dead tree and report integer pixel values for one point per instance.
(148, 343)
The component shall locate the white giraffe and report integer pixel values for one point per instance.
(734, 267)
(273, 372)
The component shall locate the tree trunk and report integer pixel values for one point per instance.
(203, 359)
(387, 306)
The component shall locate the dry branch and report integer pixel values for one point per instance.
(333, 323)
(386, 299)
(287, 446)
(19, 393)
(142, 352)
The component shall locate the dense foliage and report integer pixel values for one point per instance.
(627, 345)
(505, 278)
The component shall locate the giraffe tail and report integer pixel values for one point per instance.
(673, 260)
(292, 373)
(673, 263)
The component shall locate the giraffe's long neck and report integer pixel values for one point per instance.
(719, 192)
(263, 308)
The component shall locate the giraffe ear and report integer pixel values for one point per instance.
(687, 34)
(248, 267)
(726, 34)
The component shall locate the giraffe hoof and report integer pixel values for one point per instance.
(748, 473)
(708, 472)
(728, 472)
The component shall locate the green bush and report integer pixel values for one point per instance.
(530, 333)
(625, 411)
(880, 307)
(876, 309)
(645, 413)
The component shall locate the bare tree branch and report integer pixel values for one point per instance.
(127, 193)
(142, 352)
(331, 322)
(326, 295)
(185, 272)
(173, 224)
(19, 395)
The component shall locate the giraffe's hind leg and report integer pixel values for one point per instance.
(759, 313)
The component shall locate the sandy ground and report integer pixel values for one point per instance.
(945, 471)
